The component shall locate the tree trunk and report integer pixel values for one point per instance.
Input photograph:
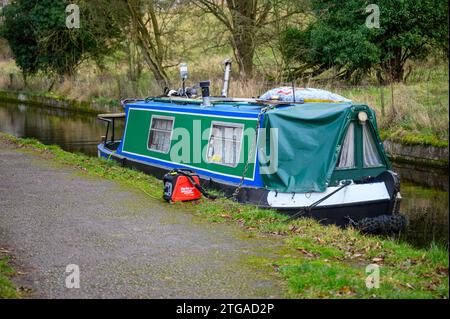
(397, 73)
(243, 20)
(150, 45)
(244, 53)
(393, 108)
(25, 79)
(396, 66)
(52, 84)
(11, 80)
(383, 108)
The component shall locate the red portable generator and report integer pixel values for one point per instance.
(181, 186)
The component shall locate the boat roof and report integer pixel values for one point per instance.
(228, 107)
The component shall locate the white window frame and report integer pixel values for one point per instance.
(241, 139)
(160, 117)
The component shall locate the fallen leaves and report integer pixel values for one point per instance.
(81, 168)
(295, 230)
(410, 262)
(408, 285)
(277, 233)
(442, 271)
(345, 291)
(308, 253)
(378, 259)
(24, 290)
(433, 285)
(320, 241)
(4, 251)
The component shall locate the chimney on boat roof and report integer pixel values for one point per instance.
(204, 85)
(226, 77)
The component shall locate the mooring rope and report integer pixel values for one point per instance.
(310, 207)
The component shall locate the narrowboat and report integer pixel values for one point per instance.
(307, 157)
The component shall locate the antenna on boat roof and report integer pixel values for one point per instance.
(184, 76)
(226, 77)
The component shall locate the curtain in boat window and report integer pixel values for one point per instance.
(160, 134)
(225, 144)
(347, 157)
(371, 156)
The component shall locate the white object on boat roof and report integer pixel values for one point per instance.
(302, 94)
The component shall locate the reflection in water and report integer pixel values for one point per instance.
(427, 211)
(74, 132)
(422, 175)
(427, 208)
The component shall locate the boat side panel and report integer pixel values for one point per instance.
(189, 127)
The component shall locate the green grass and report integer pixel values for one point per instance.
(7, 289)
(409, 138)
(315, 261)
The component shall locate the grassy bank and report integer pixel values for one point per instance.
(315, 261)
(7, 289)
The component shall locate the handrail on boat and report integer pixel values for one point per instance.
(111, 116)
(110, 120)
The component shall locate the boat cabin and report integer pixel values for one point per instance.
(220, 142)
(317, 152)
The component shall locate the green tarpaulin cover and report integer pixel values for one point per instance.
(309, 138)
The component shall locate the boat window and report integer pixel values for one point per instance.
(160, 133)
(371, 155)
(225, 142)
(347, 157)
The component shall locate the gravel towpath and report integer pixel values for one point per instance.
(125, 244)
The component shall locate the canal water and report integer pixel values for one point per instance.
(426, 207)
